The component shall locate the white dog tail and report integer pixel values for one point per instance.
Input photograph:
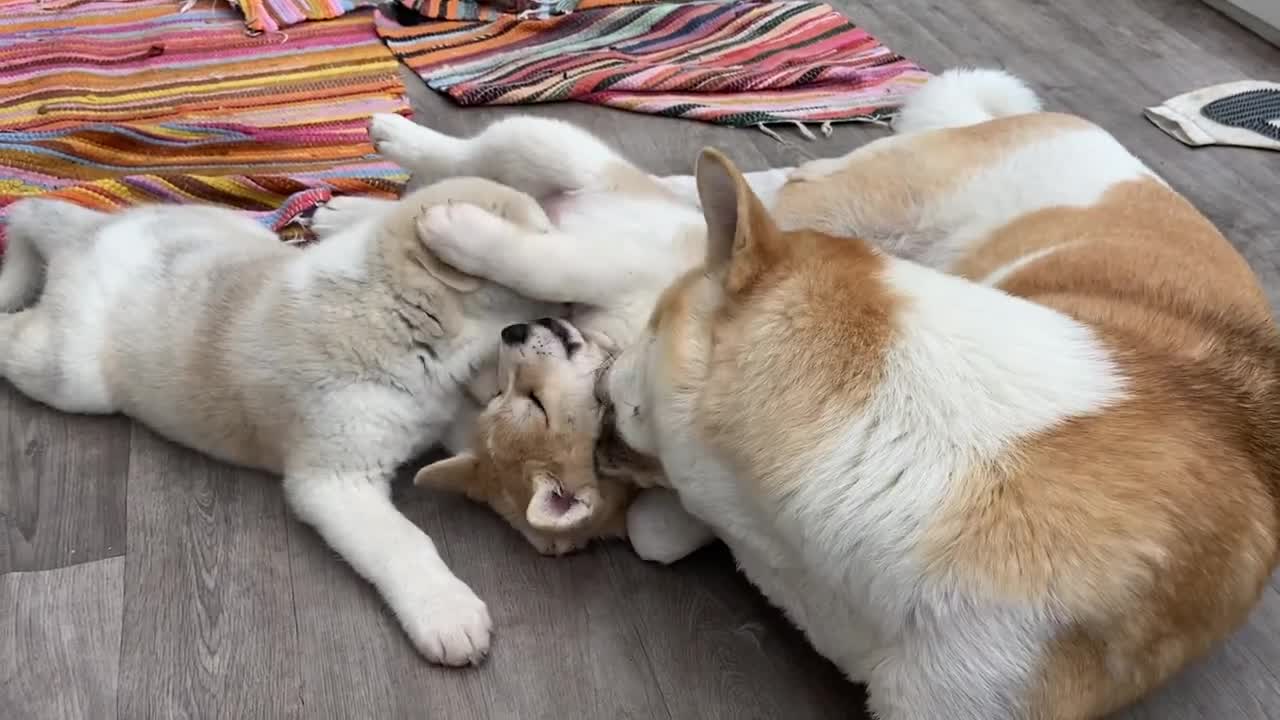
(35, 228)
(963, 96)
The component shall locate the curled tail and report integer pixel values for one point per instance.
(36, 228)
(963, 96)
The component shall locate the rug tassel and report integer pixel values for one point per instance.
(768, 131)
(805, 131)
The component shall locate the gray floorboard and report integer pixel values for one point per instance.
(60, 641)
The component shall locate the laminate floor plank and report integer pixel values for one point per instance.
(62, 485)
(60, 641)
(209, 626)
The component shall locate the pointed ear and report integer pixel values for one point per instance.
(555, 509)
(456, 474)
(740, 231)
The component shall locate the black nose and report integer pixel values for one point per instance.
(515, 334)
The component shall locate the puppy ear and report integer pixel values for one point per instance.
(456, 474)
(445, 273)
(555, 509)
(740, 233)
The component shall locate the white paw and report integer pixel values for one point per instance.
(342, 212)
(817, 169)
(447, 623)
(463, 235)
(405, 142)
(661, 530)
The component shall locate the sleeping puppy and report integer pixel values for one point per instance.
(532, 451)
(331, 365)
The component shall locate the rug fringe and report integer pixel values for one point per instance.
(883, 119)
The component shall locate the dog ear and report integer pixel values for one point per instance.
(456, 474)
(555, 509)
(741, 236)
(445, 273)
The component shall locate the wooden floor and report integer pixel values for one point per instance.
(140, 580)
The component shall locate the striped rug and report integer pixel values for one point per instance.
(272, 15)
(739, 64)
(118, 102)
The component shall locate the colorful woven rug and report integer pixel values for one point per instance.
(738, 64)
(117, 102)
(272, 15)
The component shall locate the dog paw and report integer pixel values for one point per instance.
(409, 144)
(661, 530)
(463, 235)
(342, 212)
(448, 624)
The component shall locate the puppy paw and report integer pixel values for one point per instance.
(342, 212)
(447, 623)
(464, 236)
(410, 145)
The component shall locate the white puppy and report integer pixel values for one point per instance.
(619, 237)
(331, 366)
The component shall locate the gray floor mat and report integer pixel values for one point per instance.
(1256, 110)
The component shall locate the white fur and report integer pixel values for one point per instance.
(304, 372)
(1031, 177)
(962, 96)
(615, 246)
(838, 552)
(1039, 175)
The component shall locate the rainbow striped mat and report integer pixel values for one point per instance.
(116, 102)
(738, 64)
(272, 15)
(729, 63)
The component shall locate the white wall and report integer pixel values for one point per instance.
(1261, 16)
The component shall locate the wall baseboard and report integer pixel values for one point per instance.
(1260, 16)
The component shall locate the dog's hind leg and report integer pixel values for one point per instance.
(35, 356)
(539, 156)
(36, 228)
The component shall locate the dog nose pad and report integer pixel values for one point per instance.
(515, 334)
(546, 322)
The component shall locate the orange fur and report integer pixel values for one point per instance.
(1153, 523)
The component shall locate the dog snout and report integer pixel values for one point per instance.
(515, 334)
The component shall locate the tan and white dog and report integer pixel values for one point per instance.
(331, 366)
(530, 449)
(987, 408)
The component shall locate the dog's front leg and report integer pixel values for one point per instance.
(548, 266)
(445, 620)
